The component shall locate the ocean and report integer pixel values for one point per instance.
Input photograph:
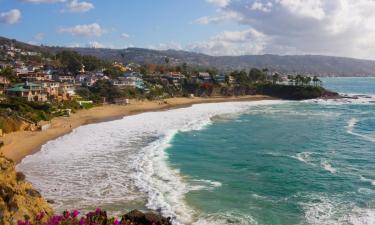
(265, 162)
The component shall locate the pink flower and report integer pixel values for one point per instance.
(75, 213)
(20, 222)
(116, 222)
(82, 221)
(66, 214)
(39, 216)
(153, 223)
(98, 211)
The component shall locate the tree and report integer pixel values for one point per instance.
(166, 60)
(112, 72)
(291, 80)
(316, 81)
(184, 68)
(104, 88)
(71, 61)
(275, 78)
(255, 75)
(91, 63)
(9, 73)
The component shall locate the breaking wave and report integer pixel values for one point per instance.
(124, 162)
(351, 127)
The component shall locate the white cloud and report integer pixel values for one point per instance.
(125, 36)
(167, 46)
(39, 37)
(334, 27)
(220, 3)
(42, 1)
(232, 43)
(74, 6)
(95, 44)
(10, 17)
(264, 7)
(227, 16)
(86, 30)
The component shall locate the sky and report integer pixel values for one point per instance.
(215, 27)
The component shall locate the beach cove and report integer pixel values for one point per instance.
(18, 145)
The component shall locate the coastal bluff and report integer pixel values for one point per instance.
(20, 203)
(18, 198)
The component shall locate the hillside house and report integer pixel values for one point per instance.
(63, 78)
(66, 91)
(33, 77)
(175, 78)
(51, 89)
(29, 91)
(205, 77)
(219, 78)
(133, 82)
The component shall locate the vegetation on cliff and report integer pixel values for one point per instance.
(21, 204)
(18, 199)
(292, 92)
(99, 217)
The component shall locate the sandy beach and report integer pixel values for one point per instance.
(18, 145)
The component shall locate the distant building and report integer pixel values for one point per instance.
(66, 91)
(175, 77)
(32, 77)
(63, 78)
(51, 89)
(29, 91)
(219, 78)
(134, 82)
(205, 77)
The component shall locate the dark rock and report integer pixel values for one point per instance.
(135, 216)
(139, 218)
(50, 201)
(6, 193)
(20, 176)
(33, 193)
(12, 206)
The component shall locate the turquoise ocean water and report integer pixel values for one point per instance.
(267, 162)
(309, 162)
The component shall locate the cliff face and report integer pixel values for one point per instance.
(18, 199)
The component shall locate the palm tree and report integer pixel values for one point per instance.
(316, 81)
(275, 78)
(291, 80)
(308, 81)
(299, 80)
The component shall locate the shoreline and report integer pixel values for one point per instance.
(18, 145)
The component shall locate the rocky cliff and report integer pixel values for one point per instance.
(18, 199)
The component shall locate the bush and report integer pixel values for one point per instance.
(98, 217)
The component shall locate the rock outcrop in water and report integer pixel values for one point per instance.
(291, 92)
(18, 198)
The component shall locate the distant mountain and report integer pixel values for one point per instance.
(305, 64)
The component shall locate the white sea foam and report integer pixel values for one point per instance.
(324, 210)
(327, 166)
(123, 163)
(202, 184)
(351, 127)
(304, 157)
(358, 99)
(226, 218)
(372, 182)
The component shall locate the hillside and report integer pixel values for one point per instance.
(305, 64)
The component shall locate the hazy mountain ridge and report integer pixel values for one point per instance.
(312, 64)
